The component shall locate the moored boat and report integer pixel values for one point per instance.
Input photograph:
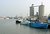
(25, 22)
(35, 23)
(38, 25)
(18, 21)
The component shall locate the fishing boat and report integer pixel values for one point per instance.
(34, 23)
(38, 25)
(25, 22)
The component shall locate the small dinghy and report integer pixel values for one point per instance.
(17, 21)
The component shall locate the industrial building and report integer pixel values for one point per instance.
(32, 10)
(41, 11)
(39, 14)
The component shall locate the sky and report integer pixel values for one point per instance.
(21, 7)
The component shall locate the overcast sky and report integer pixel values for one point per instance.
(21, 7)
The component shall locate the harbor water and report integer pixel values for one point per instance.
(9, 26)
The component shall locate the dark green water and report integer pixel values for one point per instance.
(10, 27)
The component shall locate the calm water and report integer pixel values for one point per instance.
(10, 27)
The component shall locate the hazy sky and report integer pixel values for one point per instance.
(21, 7)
